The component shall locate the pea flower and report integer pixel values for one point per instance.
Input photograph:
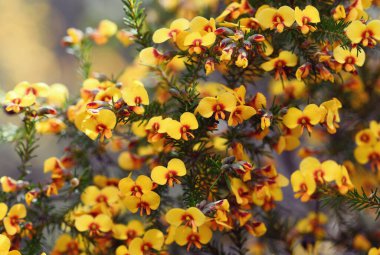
(306, 17)
(96, 226)
(304, 186)
(309, 117)
(128, 232)
(146, 202)
(16, 102)
(349, 58)
(5, 246)
(280, 64)
(128, 187)
(151, 57)
(198, 43)
(191, 217)
(162, 175)
(271, 18)
(13, 219)
(176, 27)
(184, 235)
(152, 240)
(99, 124)
(209, 106)
(366, 34)
(181, 129)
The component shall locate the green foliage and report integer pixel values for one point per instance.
(135, 20)
(354, 200)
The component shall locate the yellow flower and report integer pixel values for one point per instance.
(152, 240)
(129, 161)
(38, 89)
(146, 202)
(241, 191)
(290, 89)
(330, 114)
(99, 124)
(14, 217)
(16, 102)
(122, 250)
(151, 57)
(367, 35)
(181, 129)
(105, 30)
(136, 94)
(128, 232)
(368, 153)
(280, 64)
(92, 195)
(156, 128)
(162, 175)
(96, 226)
(50, 126)
(185, 235)
(191, 217)
(271, 18)
(129, 187)
(304, 186)
(8, 184)
(304, 17)
(343, 180)
(322, 172)
(5, 246)
(202, 25)
(58, 95)
(309, 117)
(176, 27)
(374, 251)
(209, 106)
(240, 113)
(198, 43)
(74, 37)
(256, 228)
(67, 244)
(242, 60)
(349, 58)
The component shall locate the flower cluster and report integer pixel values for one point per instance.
(189, 151)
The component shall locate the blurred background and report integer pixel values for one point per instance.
(30, 50)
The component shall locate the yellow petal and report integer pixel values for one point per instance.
(161, 35)
(340, 54)
(122, 250)
(155, 237)
(5, 244)
(174, 129)
(145, 183)
(269, 65)
(374, 27)
(199, 217)
(265, 17)
(135, 247)
(313, 112)
(228, 100)
(289, 57)
(205, 234)
(104, 222)
(152, 198)
(107, 117)
(205, 106)
(180, 24)
(331, 170)
(17, 210)
(181, 235)
(309, 164)
(89, 195)
(361, 153)
(131, 203)
(312, 13)
(174, 216)
(158, 175)
(288, 15)
(178, 166)
(83, 222)
(3, 211)
(360, 57)
(355, 30)
(291, 117)
(208, 39)
(190, 38)
(189, 119)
